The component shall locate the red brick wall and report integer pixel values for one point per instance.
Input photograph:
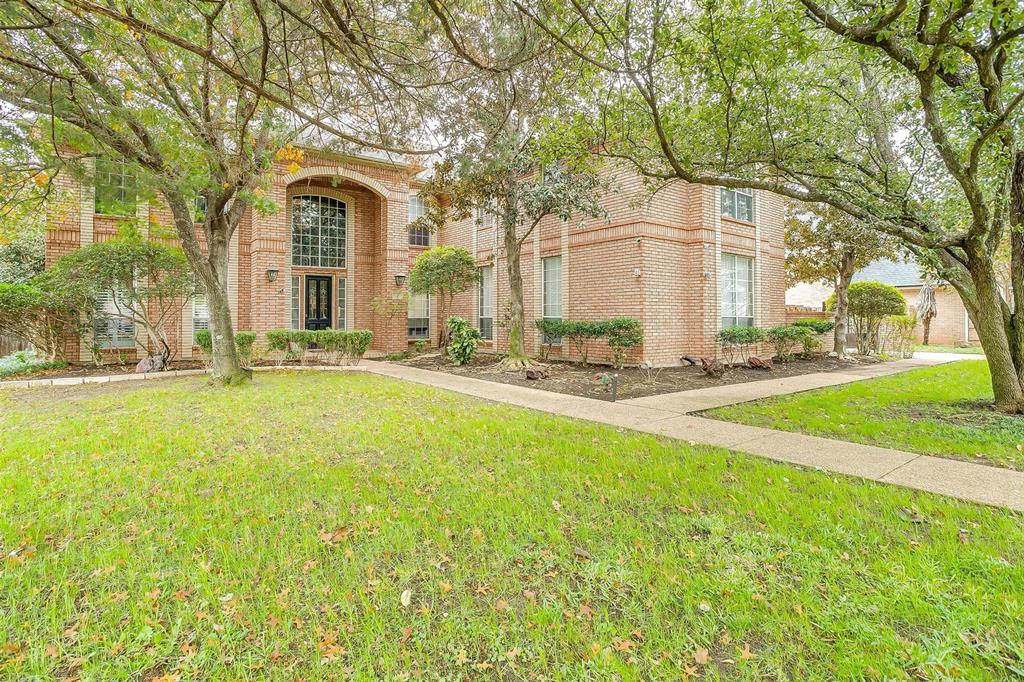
(655, 259)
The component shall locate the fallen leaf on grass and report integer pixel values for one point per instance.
(406, 597)
(702, 656)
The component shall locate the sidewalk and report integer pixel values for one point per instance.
(667, 415)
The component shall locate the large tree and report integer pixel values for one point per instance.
(196, 97)
(902, 113)
(824, 244)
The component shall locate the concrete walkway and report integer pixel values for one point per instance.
(667, 415)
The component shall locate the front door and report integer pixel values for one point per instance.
(318, 302)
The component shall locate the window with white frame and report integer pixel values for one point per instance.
(485, 215)
(111, 329)
(116, 188)
(296, 301)
(418, 236)
(486, 307)
(342, 301)
(200, 311)
(737, 290)
(738, 203)
(551, 291)
(419, 316)
(319, 229)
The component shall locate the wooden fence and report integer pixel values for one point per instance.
(9, 344)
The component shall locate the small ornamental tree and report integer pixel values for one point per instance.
(443, 271)
(148, 284)
(870, 303)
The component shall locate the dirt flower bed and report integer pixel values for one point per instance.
(593, 381)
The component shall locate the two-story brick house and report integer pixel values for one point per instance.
(685, 261)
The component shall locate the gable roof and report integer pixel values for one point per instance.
(897, 273)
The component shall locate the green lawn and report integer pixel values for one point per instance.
(323, 526)
(943, 410)
(932, 348)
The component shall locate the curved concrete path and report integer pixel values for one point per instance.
(668, 415)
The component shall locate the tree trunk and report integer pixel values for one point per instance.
(226, 367)
(212, 271)
(516, 358)
(927, 323)
(1003, 346)
(846, 270)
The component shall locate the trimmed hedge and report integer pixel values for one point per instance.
(620, 333)
(348, 346)
(818, 326)
(244, 342)
(739, 340)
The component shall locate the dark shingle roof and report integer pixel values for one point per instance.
(896, 273)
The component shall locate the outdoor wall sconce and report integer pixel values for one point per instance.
(399, 279)
(271, 275)
(636, 272)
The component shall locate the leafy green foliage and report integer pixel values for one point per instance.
(463, 340)
(785, 337)
(341, 345)
(244, 342)
(37, 316)
(443, 271)
(621, 333)
(870, 303)
(739, 341)
(22, 257)
(26, 362)
(817, 326)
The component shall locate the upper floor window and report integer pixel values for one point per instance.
(319, 229)
(418, 236)
(738, 203)
(116, 188)
(737, 280)
(485, 215)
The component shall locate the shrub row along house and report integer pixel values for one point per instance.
(686, 262)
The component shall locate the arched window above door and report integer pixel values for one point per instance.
(319, 226)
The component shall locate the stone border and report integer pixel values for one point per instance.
(110, 378)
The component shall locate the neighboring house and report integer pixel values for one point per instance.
(950, 326)
(684, 262)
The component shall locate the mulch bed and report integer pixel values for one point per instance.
(575, 379)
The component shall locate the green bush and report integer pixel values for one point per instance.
(244, 342)
(818, 326)
(462, 340)
(26, 362)
(785, 337)
(619, 332)
(35, 315)
(623, 333)
(341, 346)
(869, 304)
(739, 341)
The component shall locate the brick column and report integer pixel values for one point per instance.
(394, 254)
